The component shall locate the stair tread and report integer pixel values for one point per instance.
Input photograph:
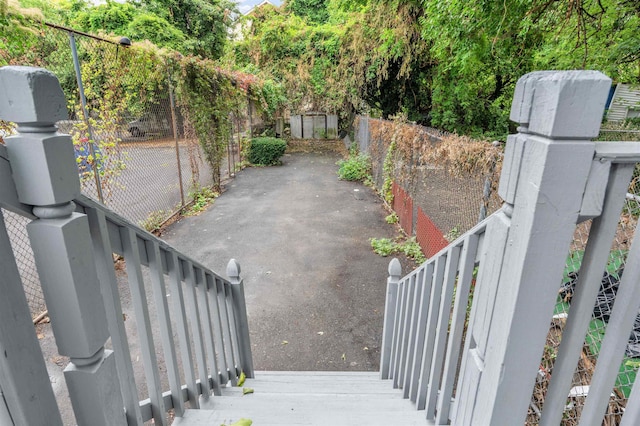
(296, 409)
(309, 398)
(367, 383)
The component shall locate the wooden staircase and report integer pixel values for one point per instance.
(309, 398)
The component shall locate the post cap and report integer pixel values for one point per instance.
(395, 269)
(561, 104)
(31, 95)
(233, 269)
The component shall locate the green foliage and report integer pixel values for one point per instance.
(205, 23)
(355, 168)
(392, 218)
(266, 151)
(154, 221)
(383, 246)
(453, 234)
(409, 247)
(313, 10)
(160, 32)
(202, 198)
(387, 173)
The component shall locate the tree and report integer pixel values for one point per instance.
(315, 11)
(204, 23)
(150, 27)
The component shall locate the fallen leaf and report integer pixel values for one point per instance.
(241, 379)
(344, 357)
(246, 391)
(284, 342)
(242, 422)
(365, 348)
(320, 333)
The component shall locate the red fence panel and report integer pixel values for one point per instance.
(403, 206)
(428, 235)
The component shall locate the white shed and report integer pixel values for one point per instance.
(314, 125)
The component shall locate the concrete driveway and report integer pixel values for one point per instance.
(315, 290)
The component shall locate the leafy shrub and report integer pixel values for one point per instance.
(385, 246)
(355, 168)
(266, 151)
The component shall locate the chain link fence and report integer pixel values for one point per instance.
(599, 316)
(135, 148)
(597, 327)
(445, 188)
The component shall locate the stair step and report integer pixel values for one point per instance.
(317, 383)
(309, 398)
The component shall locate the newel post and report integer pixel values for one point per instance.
(546, 167)
(46, 177)
(395, 271)
(240, 317)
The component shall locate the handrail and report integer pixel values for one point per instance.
(207, 299)
(74, 240)
(435, 296)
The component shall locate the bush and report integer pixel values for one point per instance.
(356, 167)
(266, 151)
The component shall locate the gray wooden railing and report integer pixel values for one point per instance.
(553, 178)
(74, 240)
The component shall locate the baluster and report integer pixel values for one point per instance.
(395, 270)
(205, 318)
(240, 316)
(23, 374)
(46, 177)
(180, 315)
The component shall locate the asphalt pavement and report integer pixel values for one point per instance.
(315, 291)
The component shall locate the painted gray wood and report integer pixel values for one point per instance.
(401, 324)
(595, 259)
(166, 331)
(113, 309)
(409, 320)
(624, 313)
(8, 192)
(179, 311)
(240, 317)
(217, 328)
(424, 302)
(417, 282)
(444, 313)
(205, 315)
(558, 113)
(143, 323)
(23, 375)
(196, 330)
(458, 317)
(44, 173)
(395, 270)
(310, 398)
(230, 329)
(632, 410)
(230, 344)
(431, 330)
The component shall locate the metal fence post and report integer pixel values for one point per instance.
(43, 168)
(85, 113)
(395, 270)
(172, 105)
(240, 317)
